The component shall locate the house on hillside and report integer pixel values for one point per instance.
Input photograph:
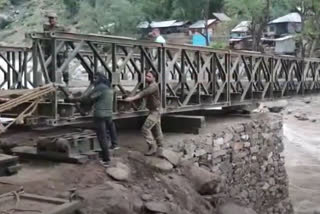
(221, 17)
(285, 25)
(285, 45)
(240, 36)
(242, 30)
(165, 27)
(280, 35)
(222, 29)
(213, 26)
(199, 26)
(174, 31)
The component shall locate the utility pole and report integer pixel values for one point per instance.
(206, 17)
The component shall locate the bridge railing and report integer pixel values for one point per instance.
(15, 67)
(189, 77)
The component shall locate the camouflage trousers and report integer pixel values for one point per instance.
(151, 129)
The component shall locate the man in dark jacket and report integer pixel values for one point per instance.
(102, 99)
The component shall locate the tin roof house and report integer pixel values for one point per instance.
(285, 25)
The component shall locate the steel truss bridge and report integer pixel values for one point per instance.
(190, 78)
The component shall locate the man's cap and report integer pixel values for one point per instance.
(51, 15)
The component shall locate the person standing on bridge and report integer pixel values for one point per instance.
(53, 26)
(102, 99)
(151, 128)
(157, 36)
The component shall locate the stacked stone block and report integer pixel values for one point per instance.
(247, 157)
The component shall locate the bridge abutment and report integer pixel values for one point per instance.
(246, 156)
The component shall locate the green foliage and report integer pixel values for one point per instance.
(122, 15)
(155, 9)
(280, 8)
(72, 6)
(253, 10)
(3, 3)
(256, 11)
(16, 2)
(194, 9)
(219, 45)
(310, 14)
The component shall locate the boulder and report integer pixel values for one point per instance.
(114, 207)
(200, 152)
(189, 150)
(157, 207)
(159, 163)
(200, 178)
(172, 157)
(232, 208)
(276, 106)
(120, 173)
(146, 197)
(302, 117)
(137, 205)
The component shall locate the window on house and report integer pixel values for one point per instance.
(272, 29)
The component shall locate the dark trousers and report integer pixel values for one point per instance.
(113, 133)
(106, 131)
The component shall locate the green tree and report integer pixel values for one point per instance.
(177, 9)
(72, 6)
(309, 11)
(121, 16)
(313, 27)
(155, 9)
(256, 11)
(194, 10)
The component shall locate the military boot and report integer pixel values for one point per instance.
(160, 148)
(152, 150)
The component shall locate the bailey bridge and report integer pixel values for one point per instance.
(190, 78)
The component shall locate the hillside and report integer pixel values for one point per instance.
(18, 17)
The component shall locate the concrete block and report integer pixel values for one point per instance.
(218, 142)
(238, 128)
(183, 123)
(237, 146)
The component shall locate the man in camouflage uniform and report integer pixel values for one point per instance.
(151, 128)
(53, 26)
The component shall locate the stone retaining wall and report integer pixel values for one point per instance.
(247, 158)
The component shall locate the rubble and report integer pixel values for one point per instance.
(301, 116)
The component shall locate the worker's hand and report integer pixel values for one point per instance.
(70, 99)
(4, 99)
